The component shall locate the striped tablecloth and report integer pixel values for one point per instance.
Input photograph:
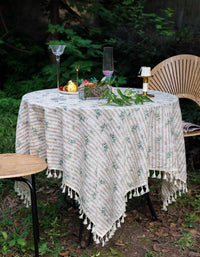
(104, 154)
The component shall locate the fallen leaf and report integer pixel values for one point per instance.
(172, 225)
(64, 254)
(156, 247)
(194, 232)
(151, 235)
(165, 250)
(118, 244)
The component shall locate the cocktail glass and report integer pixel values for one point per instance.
(58, 50)
(108, 65)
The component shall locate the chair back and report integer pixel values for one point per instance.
(178, 75)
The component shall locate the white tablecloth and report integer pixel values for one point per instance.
(104, 153)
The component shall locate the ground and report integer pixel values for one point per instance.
(175, 233)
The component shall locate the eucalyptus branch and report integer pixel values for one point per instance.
(125, 98)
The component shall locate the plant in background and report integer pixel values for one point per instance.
(185, 241)
(190, 219)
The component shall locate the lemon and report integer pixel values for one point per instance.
(72, 86)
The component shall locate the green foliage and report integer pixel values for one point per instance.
(8, 118)
(190, 219)
(190, 111)
(125, 98)
(150, 254)
(185, 241)
(79, 51)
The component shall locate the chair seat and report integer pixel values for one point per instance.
(190, 129)
(14, 165)
(192, 133)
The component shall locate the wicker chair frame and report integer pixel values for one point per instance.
(180, 76)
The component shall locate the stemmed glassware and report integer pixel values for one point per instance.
(58, 50)
(108, 65)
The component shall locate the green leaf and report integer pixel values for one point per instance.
(21, 241)
(12, 243)
(4, 234)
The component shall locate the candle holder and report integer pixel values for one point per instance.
(145, 85)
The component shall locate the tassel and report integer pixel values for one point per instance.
(64, 188)
(154, 174)
(97, 241)
(135, 192)
(147, 189)
(95, 238)
(93, 229)
(164, 207)
(103, 242)
(130, 195)
(85, 221)
(118, 224)
(71, 194)
(81, 216)
(165, 176)
(59, 174)
(55, 174)
(169, 201)
(142, 191)
(89, 226)
(106, 239)
(159, 175)
(50, 175)
(114, 227)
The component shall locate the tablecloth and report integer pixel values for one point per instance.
(104, 154)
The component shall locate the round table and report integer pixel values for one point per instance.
(105, 153)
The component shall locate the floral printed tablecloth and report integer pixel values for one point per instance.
(104, 154)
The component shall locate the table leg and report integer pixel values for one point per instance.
(153, 213)
(81, 234)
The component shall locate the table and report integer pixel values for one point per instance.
(104, 154)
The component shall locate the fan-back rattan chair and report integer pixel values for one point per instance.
(15, 166)
(180, 76)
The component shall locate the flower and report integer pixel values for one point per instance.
(85, 82)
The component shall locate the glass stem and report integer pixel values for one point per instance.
(58, 70)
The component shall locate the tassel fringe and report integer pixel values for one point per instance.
(170, 177)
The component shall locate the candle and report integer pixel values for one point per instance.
(145, 87)
(145, 71)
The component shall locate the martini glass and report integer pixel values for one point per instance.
(58, 50)
(108, 66)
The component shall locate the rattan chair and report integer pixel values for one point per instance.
(180, 76)
(15, 166)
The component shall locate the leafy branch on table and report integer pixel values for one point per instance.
(125, 98)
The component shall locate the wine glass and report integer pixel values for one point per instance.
(108, 66)
(58, 50)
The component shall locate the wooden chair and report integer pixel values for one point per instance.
(180, 76)
(14, 166)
